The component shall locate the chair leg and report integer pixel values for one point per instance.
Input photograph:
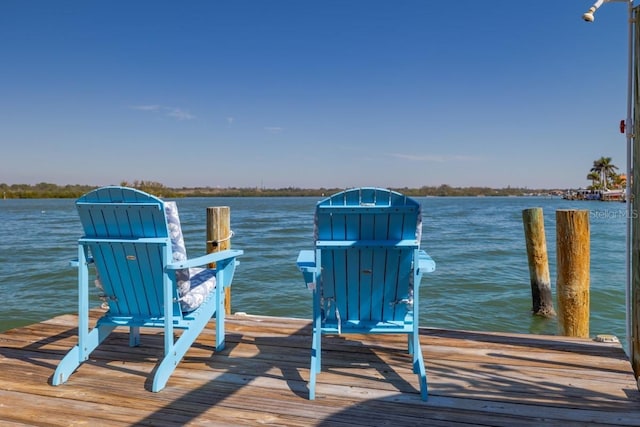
(312, 380)
(418, 365)
(220, 309)
(88, 340)
(76, 356)
(175, 351)
(220, 317)
(316, 344)
(174, 354)
(316, 362)
(134, 336)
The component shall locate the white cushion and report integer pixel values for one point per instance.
(194, 284)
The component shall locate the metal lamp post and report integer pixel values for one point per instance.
(626, 127)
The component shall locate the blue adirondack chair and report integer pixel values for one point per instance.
(366, 269)
(135, 242)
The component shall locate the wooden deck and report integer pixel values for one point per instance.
(475, 378)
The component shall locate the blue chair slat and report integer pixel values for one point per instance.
(367, 270)
(379, 284)
(391, 310)
(127, 237)
(119, 220)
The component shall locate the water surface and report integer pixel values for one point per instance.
(481, 281)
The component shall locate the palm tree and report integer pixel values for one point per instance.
(595, 179)
(620, 180)
(605, 168)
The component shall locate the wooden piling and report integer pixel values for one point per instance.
(542, 299)
(573, 263)
(219, 238)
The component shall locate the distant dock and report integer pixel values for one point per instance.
(617, 195)
(475, 378)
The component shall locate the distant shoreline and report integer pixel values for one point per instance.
(54, 191)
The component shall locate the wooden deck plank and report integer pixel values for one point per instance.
(260, 378)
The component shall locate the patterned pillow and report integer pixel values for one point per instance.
(194, 284)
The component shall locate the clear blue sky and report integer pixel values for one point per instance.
(335, 93)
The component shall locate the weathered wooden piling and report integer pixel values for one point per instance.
(219, 238)
(573, 263)
(542, 299)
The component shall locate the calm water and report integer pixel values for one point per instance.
(481, 281)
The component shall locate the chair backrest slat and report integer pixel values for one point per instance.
(116, 220)
(118, 224)
(367, 240)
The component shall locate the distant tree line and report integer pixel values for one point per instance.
(45, 190)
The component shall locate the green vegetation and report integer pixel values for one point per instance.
(45, 190)
(603, 175)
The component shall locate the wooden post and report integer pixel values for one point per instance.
(533, 221)
(219, 238)
(573, 259)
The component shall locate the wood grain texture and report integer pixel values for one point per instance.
(484, 378)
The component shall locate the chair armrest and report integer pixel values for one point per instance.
(75, 262)
(307, 265)
(205, 259)
(426, 264)
(306, 261)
